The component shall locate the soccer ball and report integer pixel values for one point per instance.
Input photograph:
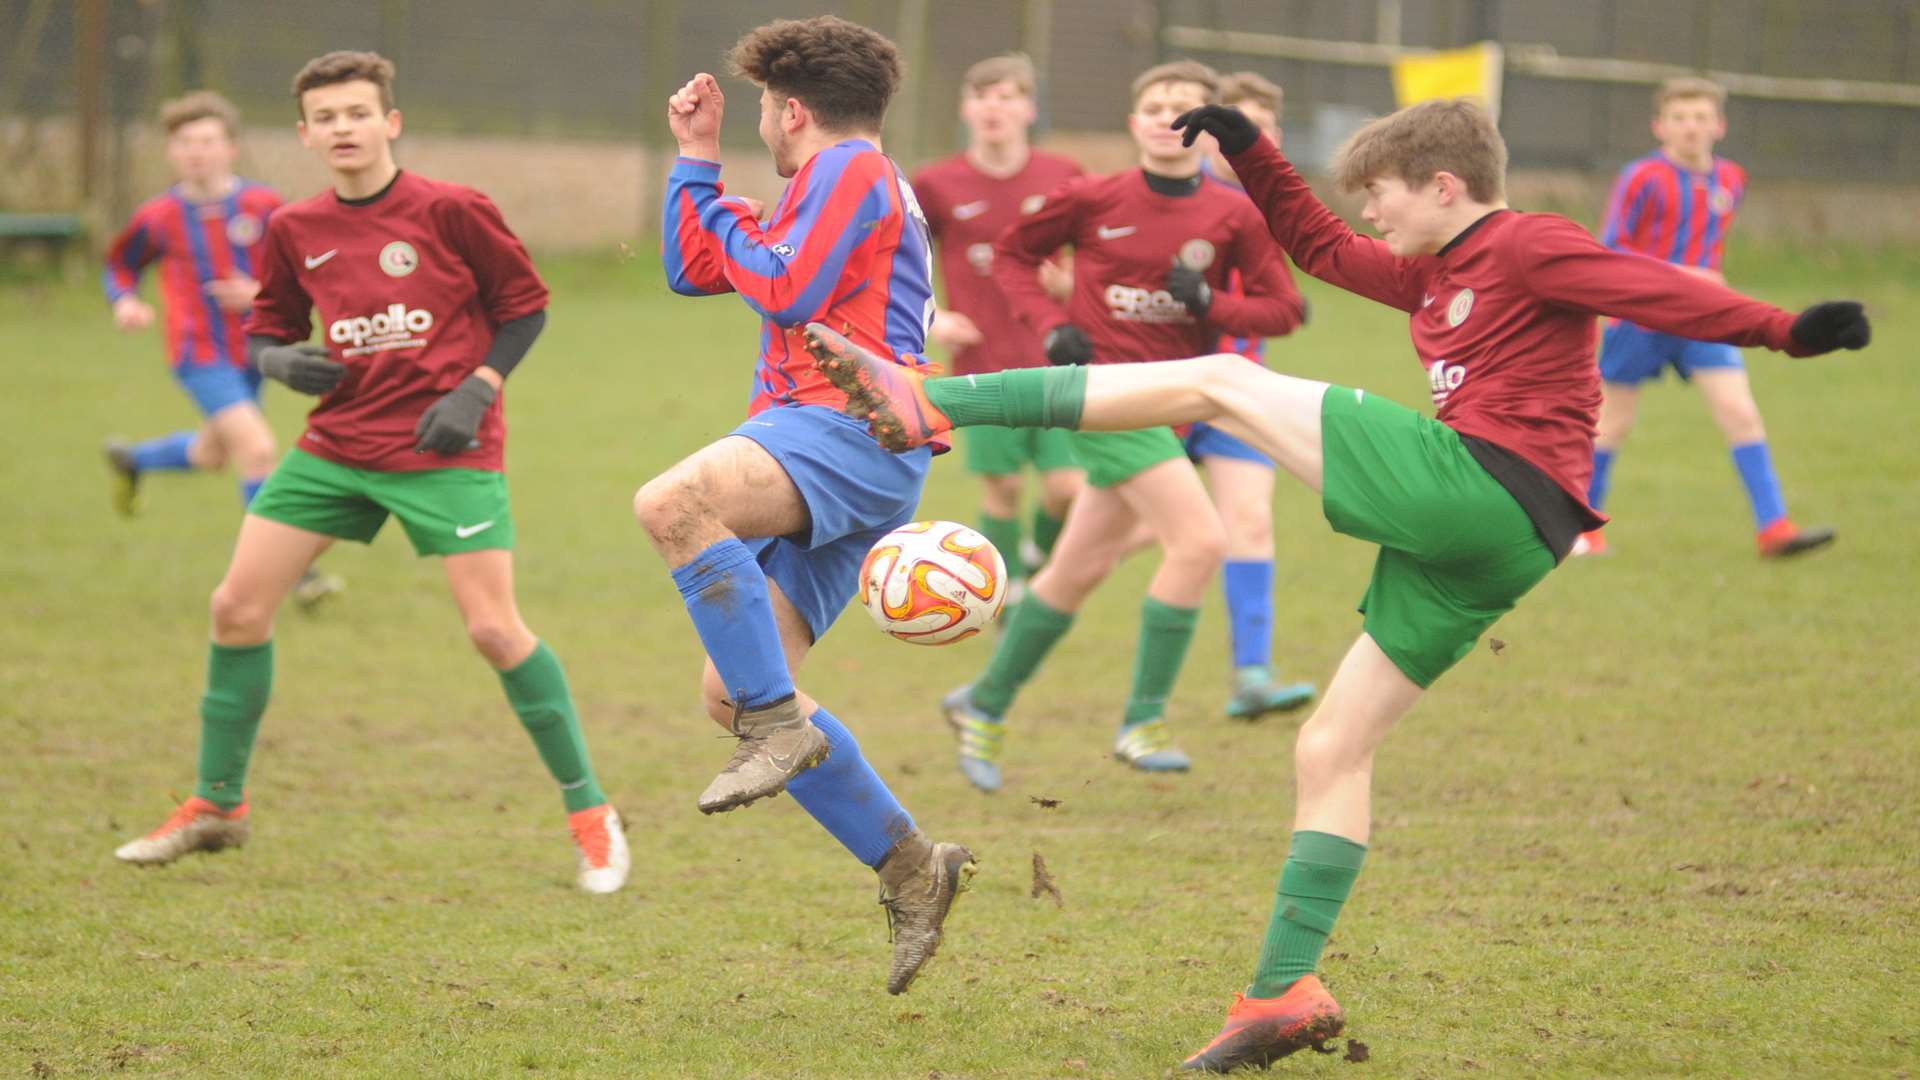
(933, 582)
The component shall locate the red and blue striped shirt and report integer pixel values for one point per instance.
(847, 245)
(1672, 213)
(194, 243)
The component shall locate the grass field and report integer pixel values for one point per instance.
(1672, 828)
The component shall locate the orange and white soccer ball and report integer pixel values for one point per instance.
(933, 582)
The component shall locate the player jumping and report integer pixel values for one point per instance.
(766, 528)
(1471, 508)
(207, 234)
(428, 301)
(970, 199)
(1677, 204)
(1153, 251)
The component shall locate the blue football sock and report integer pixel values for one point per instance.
(1763, 487)
(726, 595)
(248, 489)
(1249, 588)
(164, 453)
(848, 798)
(1602, 475)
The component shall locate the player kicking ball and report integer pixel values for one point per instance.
(1470, 508)
(1154, 248)
(1677, 204)
(766, 528)
(428, 301)
(207, 234)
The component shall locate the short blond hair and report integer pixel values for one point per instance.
(199, 105)
(1452, 135)
(345, 65)
(1251, 86)
(1687, 88)
(1015, 68)
(1187, 71)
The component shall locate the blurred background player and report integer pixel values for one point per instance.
(1677, 204)
(1153, 249)
(765, 529)
(428, 301)
(206, 233)
(1241, 477)
(970, 199)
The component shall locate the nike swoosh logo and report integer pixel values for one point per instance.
(1114, 233)
(464, 531)
(1426, 301)
(970, 210)
(316, 260)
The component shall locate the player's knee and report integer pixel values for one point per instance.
(1199, 544)
(1222, 370)
(1320, 752)
(237, 612)
(660, 505)
(1248, 526)
(496, 639)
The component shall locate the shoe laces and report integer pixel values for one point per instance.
(1150, 737)
(590, 834)
(184, 815)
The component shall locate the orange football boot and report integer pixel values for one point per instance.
(1783, 539)
(890, 397)
(1261, 1031)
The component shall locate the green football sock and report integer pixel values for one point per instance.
(1313, 885)
(1017, 397)
(239, 681)
(1004, 534)
(1046, 530)
(1031, 632)
(1165, 633)
(537, 689)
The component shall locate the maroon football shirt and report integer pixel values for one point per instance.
(1503, 316)
(1125, 238)
(410, 286)
(967, 210)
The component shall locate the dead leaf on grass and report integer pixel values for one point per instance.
(1357, 1052)
(1043, 802)
(1043, 883)
(1496, 645)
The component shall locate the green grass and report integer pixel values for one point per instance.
(1670, 829)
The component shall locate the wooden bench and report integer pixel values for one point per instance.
(54, 233)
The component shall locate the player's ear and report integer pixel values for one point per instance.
(795, 116)
(393, 124)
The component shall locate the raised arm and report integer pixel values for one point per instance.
(1562, 264)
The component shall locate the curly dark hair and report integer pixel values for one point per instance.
(842, 72)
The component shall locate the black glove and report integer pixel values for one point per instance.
(303, 366)
(1190, 288)
(448, 425)
(1228, 125)
(1067, 344)
(1836, 324)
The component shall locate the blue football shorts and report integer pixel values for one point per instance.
(218, 385)
(855, 493)
(1633, 354)
(1205, 441)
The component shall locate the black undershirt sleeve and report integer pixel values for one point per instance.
(512, 340)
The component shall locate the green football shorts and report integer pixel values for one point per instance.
(1456, 550)
(1114, 457)
(444, 511)
(999, 451)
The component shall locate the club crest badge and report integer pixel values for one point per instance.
(399, 259)
(1461, 307)
(1032, 203)
(244, 230)
(1196, 254)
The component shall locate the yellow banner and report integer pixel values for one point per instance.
(1470, 72)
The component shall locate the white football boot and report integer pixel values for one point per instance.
(602, 843)
(196, 825)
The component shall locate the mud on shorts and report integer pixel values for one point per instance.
(1456, 550)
